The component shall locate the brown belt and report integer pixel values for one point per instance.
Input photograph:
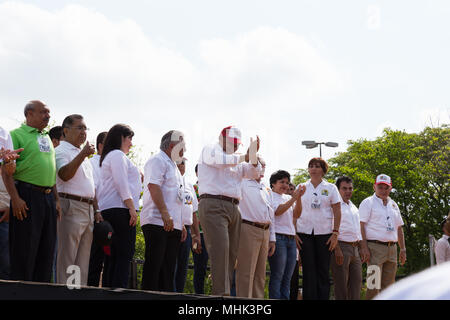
(290, 236)
(213, 196)
(46, 190)
(256, 224)
(76, 198)
(353, 244)
(389, 243)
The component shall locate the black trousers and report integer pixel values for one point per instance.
(316, 266)
(161, 252)
(98, 261)
(32, 240)
(117, 269)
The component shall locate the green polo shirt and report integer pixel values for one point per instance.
(36, 164)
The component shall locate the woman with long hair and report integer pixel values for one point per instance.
(118, 201)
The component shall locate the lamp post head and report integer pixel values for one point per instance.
(332, 144)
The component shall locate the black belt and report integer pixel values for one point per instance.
(45, 190)
(76, 198)
(256, 224)
(213, 196)
(389, 243)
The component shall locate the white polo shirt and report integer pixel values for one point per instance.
(284, 223)
(82, 183)
(382, 221)
(317, 214)
(162, 171)
(255, 204)
(95, 163)
(350, 227)
(190, 203)
(5, 141)
(222, 174)
(442, 250)
(120, 180)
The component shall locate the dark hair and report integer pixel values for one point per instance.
(279, 175)
(113, 140)
(343, 179)
(68, 121)
(323, 164)
(101, 138)
(56, 133)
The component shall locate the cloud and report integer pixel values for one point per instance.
(80, 61)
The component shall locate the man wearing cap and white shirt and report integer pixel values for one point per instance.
(381, 229)
(162, 214)
(220, 174)
(346, 266)
(75, 183)
(257, 238)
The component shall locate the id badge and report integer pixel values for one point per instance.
(187, 198)
(180, 195)
(389, 225)
(315, 203)
(44, 144)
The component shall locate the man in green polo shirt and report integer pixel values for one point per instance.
(34, 200)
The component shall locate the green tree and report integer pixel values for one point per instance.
(419, 167)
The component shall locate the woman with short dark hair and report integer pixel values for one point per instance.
(318, 229)
(118, 200)
(286, 208)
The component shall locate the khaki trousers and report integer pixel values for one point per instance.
(74, 239)
(385, 257)
(251, 262)
(221, 224)
(347, 277)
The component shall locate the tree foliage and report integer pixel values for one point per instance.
(419, 167)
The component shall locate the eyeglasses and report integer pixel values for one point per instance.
(81, 128)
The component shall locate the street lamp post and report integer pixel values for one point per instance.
(312, 144)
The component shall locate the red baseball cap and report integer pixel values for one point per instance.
(233, 134)
(382, 178)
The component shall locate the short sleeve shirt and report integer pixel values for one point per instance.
(36, 164)
(82, 183)
(5, 141)
(317, 214)
(382, 221)
(162, 171)
(284, 223)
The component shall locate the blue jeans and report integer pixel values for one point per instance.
(200, 266)
(282, 264)
(181, 266)
(4, 250)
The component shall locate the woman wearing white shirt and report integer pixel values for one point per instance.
(318, 228)
(118, 200)
(282, 262)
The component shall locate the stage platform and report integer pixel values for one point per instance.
(23, 290)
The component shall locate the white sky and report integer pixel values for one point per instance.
(285, 70)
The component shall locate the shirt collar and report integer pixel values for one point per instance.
(166, 157)
(69, 145)
(445, 236)
(29, 129)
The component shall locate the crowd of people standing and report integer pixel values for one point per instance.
(70, 203)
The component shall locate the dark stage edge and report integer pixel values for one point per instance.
(23, 290)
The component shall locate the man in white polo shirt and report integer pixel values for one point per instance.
(381, 230)
(75, 183)
(162, 214)
(346, 266)
(220, 174)
(257, 239)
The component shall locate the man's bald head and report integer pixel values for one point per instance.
(37, 114)
(31, 106)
